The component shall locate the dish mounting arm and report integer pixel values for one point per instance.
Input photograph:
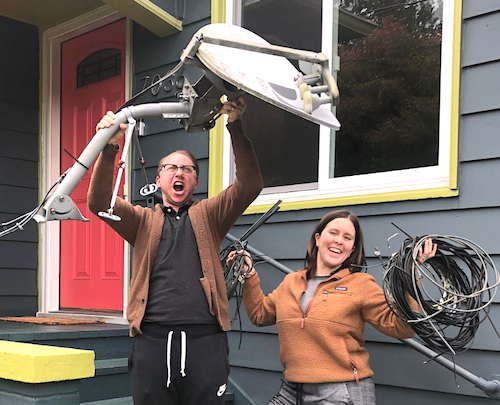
(60, 206)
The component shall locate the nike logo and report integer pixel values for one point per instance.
(222, 390)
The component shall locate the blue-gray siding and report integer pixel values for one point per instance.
(400, 373)
(19, 83)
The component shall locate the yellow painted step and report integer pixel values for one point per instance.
(32, 363)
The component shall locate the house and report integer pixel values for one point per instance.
(418, 147)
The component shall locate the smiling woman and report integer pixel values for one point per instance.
(335, 239)
(335, 244)
(320, 313)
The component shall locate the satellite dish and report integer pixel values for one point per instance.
(247, 61)
(234, 60)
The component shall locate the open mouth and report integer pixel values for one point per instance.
(335, 250)
(178, 186)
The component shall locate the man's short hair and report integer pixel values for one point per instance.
(185, 153)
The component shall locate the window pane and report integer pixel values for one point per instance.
(389, 86)
(99, 66)
(287, 146)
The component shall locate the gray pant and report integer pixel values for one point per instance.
(348, 393)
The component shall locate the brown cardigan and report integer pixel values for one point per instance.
(325, 344)
(211, 220)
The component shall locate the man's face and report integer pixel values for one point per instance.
(177, 188)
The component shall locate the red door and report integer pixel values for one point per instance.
(93, 81)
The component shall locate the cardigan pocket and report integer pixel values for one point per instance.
(208, 293)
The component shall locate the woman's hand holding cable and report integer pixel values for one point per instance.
(248, 269)
(428, 252)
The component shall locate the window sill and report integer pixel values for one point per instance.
(262, 205)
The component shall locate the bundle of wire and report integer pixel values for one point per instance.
(453, 290)
(233, 272)
(234, 276)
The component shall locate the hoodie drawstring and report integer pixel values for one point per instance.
(169, 352)
(169, 355)
(183, 353)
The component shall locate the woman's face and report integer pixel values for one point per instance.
(335, 244)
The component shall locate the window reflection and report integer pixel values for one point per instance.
(389, 81)
(389, 85)
(101, 65)
(282, 139)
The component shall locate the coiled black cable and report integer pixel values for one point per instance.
(234, 276)
(451, 289)
(233, 272)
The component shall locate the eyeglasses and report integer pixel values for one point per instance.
(171, 169)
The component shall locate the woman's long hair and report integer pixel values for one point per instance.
(356, 258)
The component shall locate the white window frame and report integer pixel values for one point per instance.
(432, 181)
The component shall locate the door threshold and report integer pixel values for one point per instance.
(113, 317)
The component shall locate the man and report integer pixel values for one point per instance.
(178, 309)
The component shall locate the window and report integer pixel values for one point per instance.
(395, 68)
(99, 66)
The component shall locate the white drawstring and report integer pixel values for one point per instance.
(169, 355)
(183, 353)
(169, 352)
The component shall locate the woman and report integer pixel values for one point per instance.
(320, 313)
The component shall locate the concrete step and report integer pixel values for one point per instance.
(110, 343)
(129, 401)
(114, 401)
(111, 381)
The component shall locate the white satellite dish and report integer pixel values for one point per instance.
(229, 55)
(250, 63)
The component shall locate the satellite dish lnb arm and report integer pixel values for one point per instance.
(289, 53)
(60, 206)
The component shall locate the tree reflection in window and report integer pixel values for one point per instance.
(99, 66)
(389, 82)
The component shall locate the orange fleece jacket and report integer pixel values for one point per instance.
(324, 344)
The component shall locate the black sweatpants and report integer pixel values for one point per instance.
(179, 365)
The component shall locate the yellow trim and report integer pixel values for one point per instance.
(216, 135)
(218, 11)
(455, 93)
(357, 200)
(32, 363)
(149, 15)
(215, 162)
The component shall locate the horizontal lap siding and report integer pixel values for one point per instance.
(387, 394)
(400, 374)
(157, 56)
(261, 384)
(19, 134)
